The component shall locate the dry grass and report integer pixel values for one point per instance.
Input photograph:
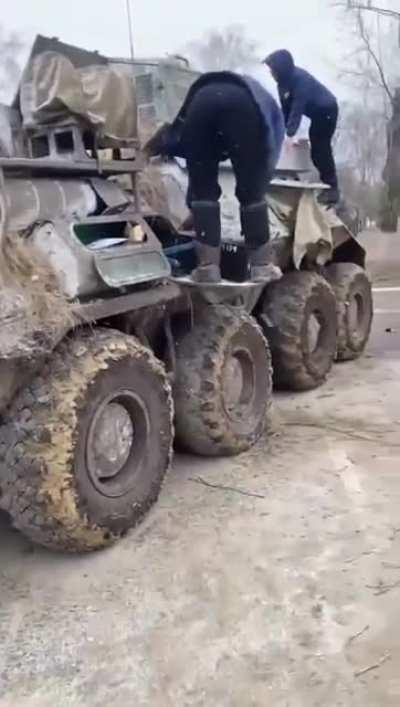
(29, 286)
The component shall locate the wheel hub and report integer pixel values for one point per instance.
(237, 382)
(117, 433)
(313, 332)
(112, 440)
(355, 313)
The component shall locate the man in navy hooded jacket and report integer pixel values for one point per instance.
(301, 94)
(226, 116)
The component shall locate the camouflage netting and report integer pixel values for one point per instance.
(35, 314)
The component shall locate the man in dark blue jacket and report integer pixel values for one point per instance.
(301, 94)
(226, 116)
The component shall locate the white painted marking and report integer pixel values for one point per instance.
(377, 290)
(386, 311)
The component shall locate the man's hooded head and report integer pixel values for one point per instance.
(282, 65)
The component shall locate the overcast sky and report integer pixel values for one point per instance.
(308, 27)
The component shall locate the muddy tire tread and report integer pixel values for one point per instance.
(282, 315)
(199, 426)
(34, 423)
(342, 277)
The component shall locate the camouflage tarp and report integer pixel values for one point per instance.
(52, 91)
(294, 213)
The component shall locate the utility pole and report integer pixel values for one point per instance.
(130, 28)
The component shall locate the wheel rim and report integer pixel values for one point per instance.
(314, 331)
(356, 314)
(238, 383)
(116, 443)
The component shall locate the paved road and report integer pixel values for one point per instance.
(386, 333)
(383, 256)
(227, 600)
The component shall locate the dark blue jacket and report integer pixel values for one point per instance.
(299, 92)
(272, 116)
(270, 112)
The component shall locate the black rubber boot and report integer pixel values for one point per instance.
(261, 267)
(255, 228)
(208, 268)
(207, 225)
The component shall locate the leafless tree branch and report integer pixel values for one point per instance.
(379, 10)
(372, 8)
(369, 48)
(10, 49)
(229, 49)
(370, 135)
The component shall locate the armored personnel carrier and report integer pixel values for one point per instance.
(108, 350)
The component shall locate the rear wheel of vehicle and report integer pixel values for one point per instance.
(86, 447)
(298, 314)
(223, 384)
(354, 307)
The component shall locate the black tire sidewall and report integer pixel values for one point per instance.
(248, 339)
(355, 339)
(349, 280)
(285, 313)
(203, 425)
(318, 363)
(118, 513)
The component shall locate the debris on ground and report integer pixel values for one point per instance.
(357, 635)
(203, 482)
(374, 666)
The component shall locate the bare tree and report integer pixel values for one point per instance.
(373, 66)
(11, 47)
(361, 149)
(368, 6)
(229, 49)
(361, 142)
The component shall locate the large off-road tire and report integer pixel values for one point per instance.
(298, 314)
(354, 307)
(223, 383)
(84, 450)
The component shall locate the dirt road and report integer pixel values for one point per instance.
(287, 598)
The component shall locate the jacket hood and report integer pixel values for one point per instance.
(282, 65)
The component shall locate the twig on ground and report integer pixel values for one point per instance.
(273, 434)
(199, 480)
(357, 635)
(375, 666)
(350, 560)
(331, 428)
(338, 430)
(383, 588)
(336, 472)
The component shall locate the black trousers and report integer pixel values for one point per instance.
(223, 121)
(322, 130)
